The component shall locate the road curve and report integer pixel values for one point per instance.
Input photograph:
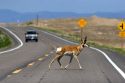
(12, 59)
(97, 68)
(16, 41)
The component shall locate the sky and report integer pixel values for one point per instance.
(78, 6)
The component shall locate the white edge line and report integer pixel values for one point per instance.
(106, 56)
(21, 43)
(110, 61)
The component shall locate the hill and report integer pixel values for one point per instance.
(13, 16)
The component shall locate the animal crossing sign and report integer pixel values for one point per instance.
(121, 25)
(82, 23)
(122, 34)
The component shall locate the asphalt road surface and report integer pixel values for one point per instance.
(29, 63)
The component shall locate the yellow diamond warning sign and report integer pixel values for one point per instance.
(82, 23)
(122, 34)
(121, 25)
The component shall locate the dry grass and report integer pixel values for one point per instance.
(103, 31)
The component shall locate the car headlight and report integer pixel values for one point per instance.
(26, 35)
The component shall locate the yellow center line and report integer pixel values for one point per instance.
(30, 64)
(46, 55)
(17, 71)
(40, 59)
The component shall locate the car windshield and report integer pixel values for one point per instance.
(31, 32)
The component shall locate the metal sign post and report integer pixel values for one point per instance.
(122, 35)
(121, 27)
(82, 23)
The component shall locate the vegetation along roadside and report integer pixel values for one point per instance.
(76, 38)
(5, 40)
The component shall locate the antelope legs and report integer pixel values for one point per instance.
(71, 57)
(78, 61)
(58, 59)
(53, 60)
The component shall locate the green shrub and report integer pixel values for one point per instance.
(29, 23)
(4, 40)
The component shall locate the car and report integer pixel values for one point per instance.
(31, 35)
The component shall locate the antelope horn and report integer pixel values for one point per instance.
(85, 39)
(81, 41)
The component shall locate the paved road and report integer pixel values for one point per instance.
(96, 68)
(15, 43)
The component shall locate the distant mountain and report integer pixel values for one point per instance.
(13, 16)
(8, 15)
(111, 14)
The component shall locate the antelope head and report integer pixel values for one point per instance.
(83, 43)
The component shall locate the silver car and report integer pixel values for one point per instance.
(31, 35)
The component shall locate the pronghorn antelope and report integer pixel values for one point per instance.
(71, 50)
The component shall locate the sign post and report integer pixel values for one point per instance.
(82, 23)
(121, 27)
(122, 35)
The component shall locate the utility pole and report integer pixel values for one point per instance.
(37, 19)
(18, 22)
